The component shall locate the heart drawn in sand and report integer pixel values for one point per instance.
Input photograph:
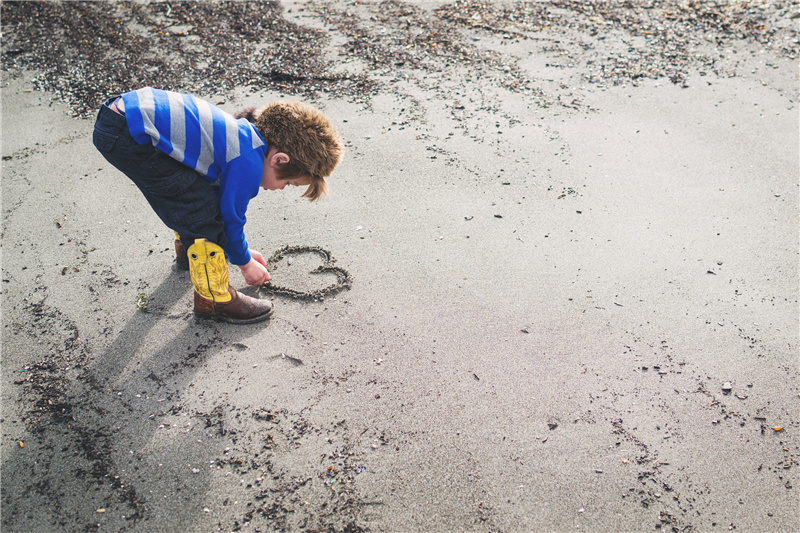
(289, 255)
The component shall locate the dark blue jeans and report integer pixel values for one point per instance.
(181, 197)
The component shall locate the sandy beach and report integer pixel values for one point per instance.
(559, 287)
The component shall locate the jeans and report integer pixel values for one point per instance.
(181, 197)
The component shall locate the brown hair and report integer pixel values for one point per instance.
(306, 135)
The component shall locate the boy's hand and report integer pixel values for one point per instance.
(258, 257)
(254, 272)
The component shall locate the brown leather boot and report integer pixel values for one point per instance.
(241, 309)
(213, 295)
(181, 258)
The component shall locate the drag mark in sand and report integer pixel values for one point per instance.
(652, 495)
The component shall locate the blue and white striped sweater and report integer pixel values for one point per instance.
(228, 152)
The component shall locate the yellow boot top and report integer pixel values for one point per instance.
(208, 269)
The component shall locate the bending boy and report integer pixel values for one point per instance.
(199, 167)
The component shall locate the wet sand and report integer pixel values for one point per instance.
(572, 238)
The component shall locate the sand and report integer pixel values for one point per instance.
(573, 306)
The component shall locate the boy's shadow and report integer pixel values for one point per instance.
(153, 360)
(117, 449)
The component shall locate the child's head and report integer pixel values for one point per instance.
(303, 133)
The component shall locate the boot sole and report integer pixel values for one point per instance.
(231, 320)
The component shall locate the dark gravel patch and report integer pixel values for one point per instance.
(86, 51)
(663, 39)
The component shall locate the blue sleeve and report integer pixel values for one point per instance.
(239, 183)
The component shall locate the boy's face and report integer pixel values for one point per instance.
(270, 181)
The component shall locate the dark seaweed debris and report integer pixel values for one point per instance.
(663, 38)
(396, 34)
(87, 51)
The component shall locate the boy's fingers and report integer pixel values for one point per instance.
(258, 257)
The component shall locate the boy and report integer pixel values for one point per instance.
(198, 167)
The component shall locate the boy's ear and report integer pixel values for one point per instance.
(279, 158)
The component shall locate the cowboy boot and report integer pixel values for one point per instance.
(181, 259)
(213, 295)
